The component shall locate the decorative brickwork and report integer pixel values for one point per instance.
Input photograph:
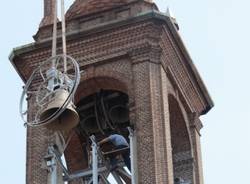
(130, 47)
(49, 12)
(84, 7)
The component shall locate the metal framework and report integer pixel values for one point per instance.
(57, 77)
(99, 168)
(50, 77)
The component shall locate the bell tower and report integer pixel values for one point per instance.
(135, 72)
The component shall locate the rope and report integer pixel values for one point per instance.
(54, 31)
(63, 35)
(54, 37)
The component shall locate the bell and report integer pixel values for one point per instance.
(67, 120)
(119, 114)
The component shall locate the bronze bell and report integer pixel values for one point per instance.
(119, 114)
(67, 120)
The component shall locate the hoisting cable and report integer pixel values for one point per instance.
(54, 37)
(64, 36)
(54, 51)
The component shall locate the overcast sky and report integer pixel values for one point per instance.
(216, 34)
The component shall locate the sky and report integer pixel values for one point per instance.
(216, 34)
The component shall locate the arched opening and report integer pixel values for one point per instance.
(103, 112)
(181, 146)
(102, 106)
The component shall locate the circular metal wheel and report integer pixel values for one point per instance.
(58, 73)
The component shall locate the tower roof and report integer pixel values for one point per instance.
(84, 7)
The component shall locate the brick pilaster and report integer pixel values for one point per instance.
(195, 127)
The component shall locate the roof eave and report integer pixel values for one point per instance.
(140, 17)
(183, 48)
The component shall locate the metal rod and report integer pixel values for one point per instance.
(54, 172)
(64, 36)
(84, 173)
(131, 140)
(116, 177)
(94, 160)
(59, 161)
(105, 179)
(123, 172)
(54, 33)
(52, 164)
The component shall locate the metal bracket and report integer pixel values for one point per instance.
(132, 152)
(94, 160)
(53, 160)
(51, 164)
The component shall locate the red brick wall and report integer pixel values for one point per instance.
(141, 59)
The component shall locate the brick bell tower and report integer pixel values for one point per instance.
(132, 55)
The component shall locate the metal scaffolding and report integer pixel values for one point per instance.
(99, 167)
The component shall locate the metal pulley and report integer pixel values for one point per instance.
(51, 91)
(52, 86)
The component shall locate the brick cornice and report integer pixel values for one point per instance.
(192, 71)
(178, 63)
(84, 32)
(145, 18)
